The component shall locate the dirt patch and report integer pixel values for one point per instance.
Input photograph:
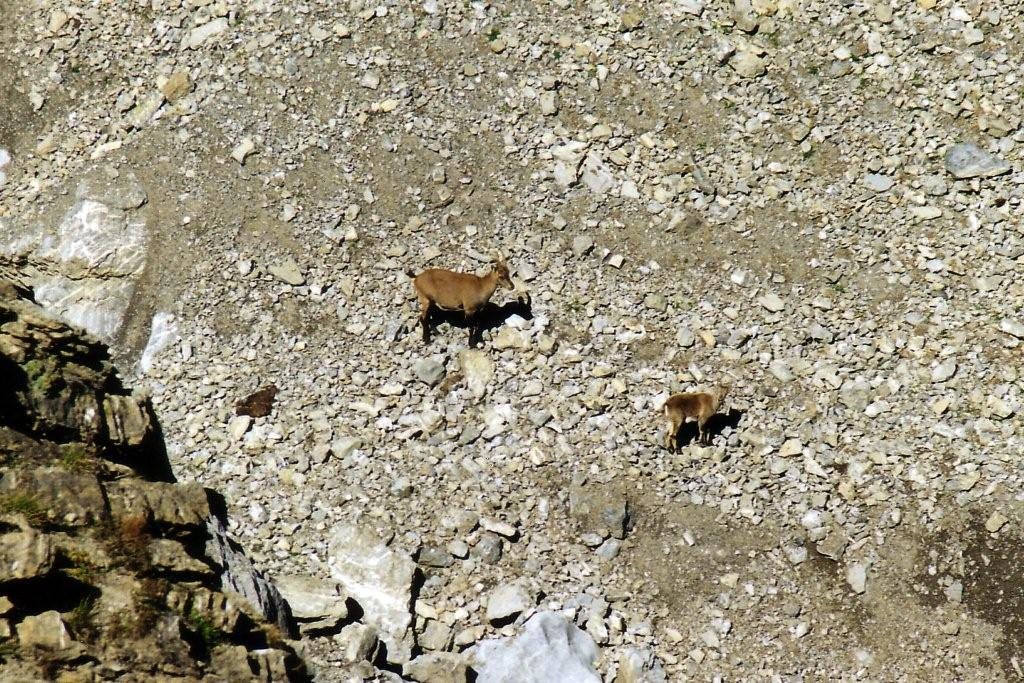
(990, 571)
(15, 111)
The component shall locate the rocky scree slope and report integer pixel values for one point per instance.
(815, 200)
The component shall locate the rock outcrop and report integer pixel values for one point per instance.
(107, 566)
(85, 269)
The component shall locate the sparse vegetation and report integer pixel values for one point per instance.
(78, 565)
(80, 620)
(127, 541)
(150, 603)
(41, 376)
(22, 504)
(75, 458)
(205, 629)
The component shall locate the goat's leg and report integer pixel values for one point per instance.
(425, 318)
(675, 424)
(474, 325)
(702, 435)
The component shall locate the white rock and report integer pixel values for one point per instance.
(344, 446)
(85, 271)
(694, 7)
(287, 271)
(944, 370)
(163, 332)
(925, 213)
(772, 302)
(550, 648)
(380, 580)
(857, 576)
(629, 190)
(973, 36)
(1012, 327)
(238, 426)
(878, 183)
(243, 149)
(596, 175)
(791, 447)
(198, 36)
(311, 598)
(748, 65)
(478, 369)
(967, 160)
(548, 103)
(995, 522)
(565, 174)
(498, 527)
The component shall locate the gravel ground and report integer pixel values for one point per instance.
(813, 202)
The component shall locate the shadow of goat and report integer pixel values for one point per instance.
(490, 317)
(716, 424)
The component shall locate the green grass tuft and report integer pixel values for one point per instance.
(205, 629)
(41, 376)
(22, 504)
(80, 619)
(75, 458)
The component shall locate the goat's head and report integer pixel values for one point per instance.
(501, 269)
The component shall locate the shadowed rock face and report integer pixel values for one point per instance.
(105, 563)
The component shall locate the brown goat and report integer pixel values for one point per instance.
(699, 406)
(448, 290)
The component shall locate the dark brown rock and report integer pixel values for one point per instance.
(258, 403)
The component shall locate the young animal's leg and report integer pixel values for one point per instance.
(673, 433)
(473, 324)
(670, 436)
(702, 435)
(425, 317)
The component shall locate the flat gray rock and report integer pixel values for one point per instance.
(967, 160)
(507, 601)
(878, 182)
(428, 371)
(115, 188)
(288, 272)
(312, 598)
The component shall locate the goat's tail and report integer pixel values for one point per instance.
(410, 272)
